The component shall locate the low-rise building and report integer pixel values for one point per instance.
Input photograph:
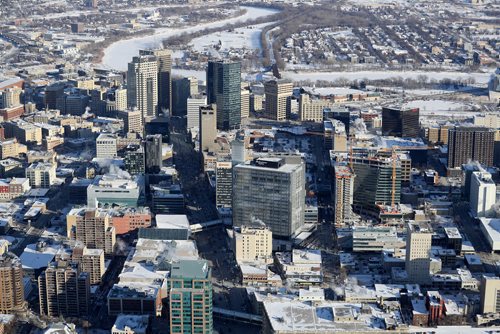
(300, 267)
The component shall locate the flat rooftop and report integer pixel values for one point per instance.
(172, 222)
(191, 269)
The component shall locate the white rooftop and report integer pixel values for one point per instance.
(172, 222)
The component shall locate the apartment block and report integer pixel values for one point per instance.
(92, 227)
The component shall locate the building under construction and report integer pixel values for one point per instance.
(377, 182)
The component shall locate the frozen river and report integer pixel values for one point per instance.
(118, 54)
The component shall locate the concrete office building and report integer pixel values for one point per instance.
(224, 90)
(11, 284)
(10, 97)
(271, 190)
(253, 244)
(105, 146)
(312, 110)
(168, 227)
(142, 85)
(114, 190)
(278, 94)
(41, 174)
(343, 192)
(119, 96)
(470, 144)
(341, 114)
(11, 148)
(223, 184)
(418, 246)
(64, 290)
(153, 151)
(164, 76)
(238, 149)
(92, 227)
(190, 297)
(208, 128)
(483, 192)
(168, 199)
(131, 324)
(193, 110)
(335, 135)
(490, 294)
(400, 122)
(132, 120)
(375, 239)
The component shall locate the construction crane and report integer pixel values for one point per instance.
(394, 174)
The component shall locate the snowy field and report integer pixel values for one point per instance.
(481, 78)
(118, 54)
(442, 108)
(246, 37)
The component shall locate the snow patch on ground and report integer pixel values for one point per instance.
(443, 108)
(246, 37)
(118, 54)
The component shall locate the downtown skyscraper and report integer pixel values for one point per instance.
(224, 89)
(142, 85)
(164, 76)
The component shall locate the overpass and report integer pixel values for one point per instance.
(237, 316)
(195, 228)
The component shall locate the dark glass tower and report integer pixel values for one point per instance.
(224, 89)
(400, 122)
(153, 153)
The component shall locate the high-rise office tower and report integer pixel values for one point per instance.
(134, 159)
(153, 152)
(92, 227)
(190, 297)
(490, 294)
(97, 97)
(52, 93)
(224, 89)
(278, 94)
(194, 103)
(208, 128)
(343, 193)
(245, 100)
(238, 149)
(400, 122)
(142, 85)
(374, 182)
(418, 246)
(223, 184)
(11, 284)
(271, 190)
(132, 120)
(483, 194)
(116, 99)
(470, 144)
(182, 89)
(164, 58)
(64, 290)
